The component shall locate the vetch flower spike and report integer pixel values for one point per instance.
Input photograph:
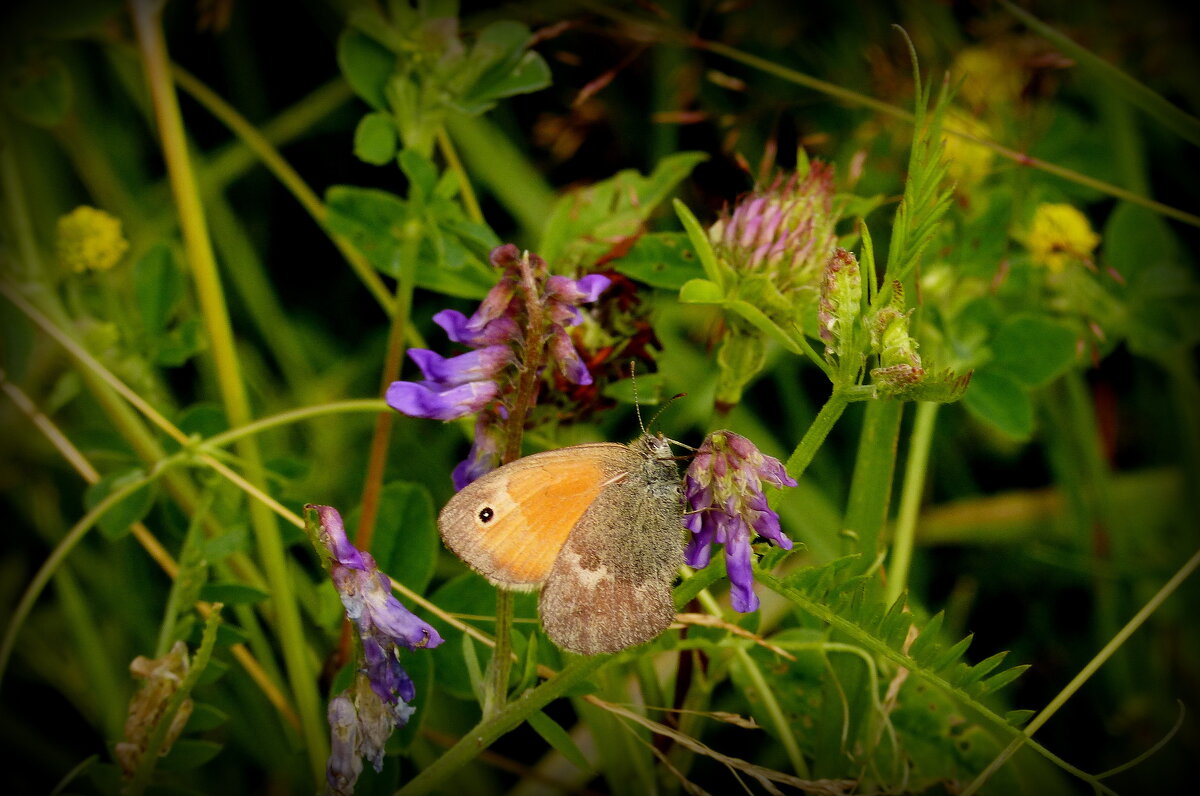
(163, 677)
(362, 718)
(483, 381)
(726, 505)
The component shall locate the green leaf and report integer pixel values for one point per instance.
(421, 173)
(589, 223)
(158, 287)
(39, 90)
(761, 322)
(375, 139)
(205, 717)
(419, 666)
(232, 594)
(372, 220)
(367, 65)
(188, 754)
(998, 681)
(180, 344)
(1017, 718)
(499, 66)
(406, 540)
(1000, 400)
(1033, 349)
(700, 242)
(701, 291)
(1136, 239)
(661, 259)
(558, 738)
(116, 521)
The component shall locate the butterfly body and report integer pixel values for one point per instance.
(597, 527)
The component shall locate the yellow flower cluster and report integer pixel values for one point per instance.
(89, 240)
(1059, 235)
(990, 76)
(966, 162)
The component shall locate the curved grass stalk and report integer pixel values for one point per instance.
(1123, 84)
(863, 101)
(287, 176)
(60, 552)
(1085, 674)
(81, 354)
(147, 23)
(915, 470)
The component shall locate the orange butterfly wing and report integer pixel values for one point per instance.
(510, 524)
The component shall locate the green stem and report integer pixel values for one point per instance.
(147, 18)
(394, 356)
(496, 685)
(482, 735)
(287, 176)
(812, 440)
(915, 472)
(59, 554)
(371, 405)
(464, 182)
(871, 484)
(783, 727)
(1085, 674)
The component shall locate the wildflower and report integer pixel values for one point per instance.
(162, 676)
(771, 248)
(990, 75)
(785, 232)
(482, 380)
(1059, 235)
(723, 487)
(362, 717)
(966, 162)
(484, 455)
(89, 240)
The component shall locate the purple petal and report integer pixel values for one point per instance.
(580, 291)
(425, 400)
(484, 455)
(333, 536)
(389, 616)
(494, 304)
(479, 365)
(506, 256)
(344, 764)
(699, 548)
(741, 575)
(567, 358)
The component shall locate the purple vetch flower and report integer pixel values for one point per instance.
(482, 380)
(723, 488)
(484, 455)
(362, 718)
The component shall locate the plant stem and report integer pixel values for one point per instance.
(464, 182)
(514, 429)
(871, 484)
(147, 18)
(1093, 665)
(915, 472)
(812, 440)
(483, 734)
(59, 554)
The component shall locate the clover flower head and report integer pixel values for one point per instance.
(785, 231)
(360, 722)
(89, 239)
(481, 380)
(723, 489)
(1059, 235)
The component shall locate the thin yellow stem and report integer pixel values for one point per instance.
(464, 182)
(13, 294)
(147, 19)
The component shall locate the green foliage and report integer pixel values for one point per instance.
(1038, 517)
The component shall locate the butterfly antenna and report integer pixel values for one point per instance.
(637, 406)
